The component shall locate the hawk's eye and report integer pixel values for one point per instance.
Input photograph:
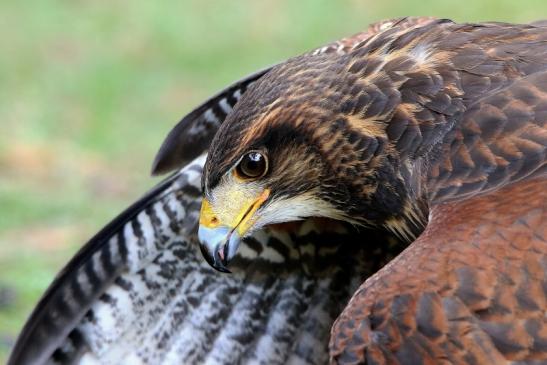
(252, 166)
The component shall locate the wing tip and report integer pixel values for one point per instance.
(162, 162)
(174, 152)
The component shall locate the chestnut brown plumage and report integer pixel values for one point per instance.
(429, 122)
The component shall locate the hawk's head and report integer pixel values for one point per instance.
(307, 140)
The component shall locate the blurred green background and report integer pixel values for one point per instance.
(89, 89)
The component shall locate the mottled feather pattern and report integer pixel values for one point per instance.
(484, 298)
(502, 139)
(128, 244)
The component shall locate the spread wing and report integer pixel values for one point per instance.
(193, 134)
(140, 291)
(472, 288)
(127, 244)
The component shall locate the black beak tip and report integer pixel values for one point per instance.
(221, 268)
(214, 260)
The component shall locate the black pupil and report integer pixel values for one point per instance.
(253, 164)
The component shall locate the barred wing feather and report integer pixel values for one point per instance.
(140, 292)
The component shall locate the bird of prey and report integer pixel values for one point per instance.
(379, 200)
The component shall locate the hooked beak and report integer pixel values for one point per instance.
(219, 241)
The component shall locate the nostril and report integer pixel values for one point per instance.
(214, 220)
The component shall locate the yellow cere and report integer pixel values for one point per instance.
(206, 216)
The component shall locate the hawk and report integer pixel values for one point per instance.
(379, 200)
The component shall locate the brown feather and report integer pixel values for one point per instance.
(469, 290)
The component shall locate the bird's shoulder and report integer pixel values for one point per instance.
(469, 290)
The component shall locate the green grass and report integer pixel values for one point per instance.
(89, 89)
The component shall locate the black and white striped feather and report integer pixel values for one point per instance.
(140, 293)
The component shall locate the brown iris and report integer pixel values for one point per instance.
(252, 166)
